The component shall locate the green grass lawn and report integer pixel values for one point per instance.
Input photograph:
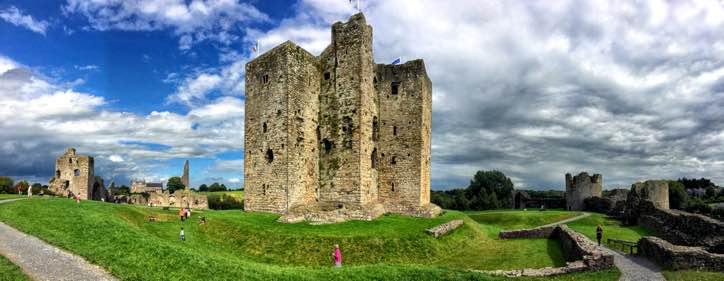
(10, 271)
(517, 219)
(243, 245)
(11, 196)
(236, 194)
(611, 228)
(691, 275)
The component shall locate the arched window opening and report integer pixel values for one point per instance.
(263, 126)
(375, 128)
(394, 130)
(57, 173)
(373, 158)
(393, 186)
(394, 160)
(395, 87)
(76, 172)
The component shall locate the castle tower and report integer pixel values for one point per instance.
(74, 174)
(316, 130)
(580, 187)
(185, 177)
(657, 191)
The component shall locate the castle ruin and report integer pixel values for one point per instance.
(337, 133)
(74, 175)
(580, 187)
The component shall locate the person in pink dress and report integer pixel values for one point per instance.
(337, 256)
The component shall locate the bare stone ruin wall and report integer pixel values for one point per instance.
(178, 199)
(580, 187)
(679, 257)
(682, 228)
(580, 252)
(540, 232)
(65, 180)
(321, 119)
(445, 228)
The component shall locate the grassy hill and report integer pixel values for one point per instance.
(241, 245)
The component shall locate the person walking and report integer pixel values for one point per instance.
(30, 192)
(182, 214)
(182, 236)
(337, 256)
(77, 198)
(599, 234)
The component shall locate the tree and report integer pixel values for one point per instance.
(21, 187)
(217, 187)
(123, 190)
(203, 188)
(6, 185)
(710, 192)
(677, 195)
(36, 187)
(174, 183)
(489, 190)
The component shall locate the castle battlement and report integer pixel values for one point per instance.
(337, 132)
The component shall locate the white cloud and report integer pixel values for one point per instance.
(234, 180)
(13, 15)
(194, 89)
(193, 21)
(39, 119)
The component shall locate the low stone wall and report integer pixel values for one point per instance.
(444, 228)
(180, 199)
(578, 247)
(682, 228)
(679, 257)
(541, 232)
(580, 252)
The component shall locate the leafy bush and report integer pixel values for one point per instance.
(696, 205)
(718, 213)
(224, 202)
(487, 190)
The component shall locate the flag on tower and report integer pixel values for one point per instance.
(397, 61)
(255, 48)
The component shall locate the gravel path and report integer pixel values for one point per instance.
(42, 261)
(635, 268)
(567, 220)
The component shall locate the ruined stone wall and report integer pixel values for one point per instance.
(676, 257)
(73, 174)
(580, 187)
(403, 150)
(680, 227)
(654, 191)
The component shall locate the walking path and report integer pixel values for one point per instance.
(632, 267)
(42, 261)
(567, 220)
(635, 268)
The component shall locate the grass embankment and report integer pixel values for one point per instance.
(11, 272)
(516, 219)
(239, 245)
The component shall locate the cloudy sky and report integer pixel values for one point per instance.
(631, 89)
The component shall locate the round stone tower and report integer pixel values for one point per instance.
(656, 191)
(581, 187)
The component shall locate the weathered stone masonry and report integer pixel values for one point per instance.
(337, 132)
(74, 174)
(580, 187)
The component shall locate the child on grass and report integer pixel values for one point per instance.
(182, 236)
(337, 256)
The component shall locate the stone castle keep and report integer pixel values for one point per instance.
(581, 187)
(337, 133)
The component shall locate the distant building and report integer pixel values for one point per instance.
(580, 187)
(140, 186)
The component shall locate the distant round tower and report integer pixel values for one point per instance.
(657, 191)
(581, 187)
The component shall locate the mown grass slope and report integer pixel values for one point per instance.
(241, 245)
(692, 275)
(10, 196)
(611, 228)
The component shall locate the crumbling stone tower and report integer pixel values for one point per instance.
(337, 133)
(74, 174)
(656, 191)
(581, 187)
(185, 176)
